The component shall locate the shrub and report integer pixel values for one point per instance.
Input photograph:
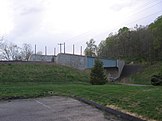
(97, 75)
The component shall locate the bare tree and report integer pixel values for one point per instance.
(26, 51)
(1, 41)
(10, 51)
(1, 45)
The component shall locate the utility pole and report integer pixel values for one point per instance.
(60, 46)
(64, 47)
(45, 50)
(35, 49)
(54, 51)
(73, 49)
(81, 50)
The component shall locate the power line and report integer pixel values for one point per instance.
(117, 27)
(146, 16)
(139, 11)
(139, 18)
(149, 3)
(152, 3)
(82, 34)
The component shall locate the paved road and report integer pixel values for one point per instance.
(53, 108)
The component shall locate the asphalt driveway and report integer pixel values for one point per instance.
(55, 108)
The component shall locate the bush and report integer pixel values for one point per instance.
(97, 75)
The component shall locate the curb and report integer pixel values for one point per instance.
(110, 110)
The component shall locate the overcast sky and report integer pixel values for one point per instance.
(49, 22)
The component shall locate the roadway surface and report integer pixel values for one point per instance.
(55, 108)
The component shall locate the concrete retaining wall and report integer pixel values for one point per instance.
(106, 62)
(113, 67)
(46, 58)
(130, 69)
(82, 62)
(120, 66)
(112, 73)
(75, 61)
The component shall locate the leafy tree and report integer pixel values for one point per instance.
(131, 45)
(107, 48)
(97, 75)
(141, 44)
(102, 49)
(123, 40)
(156, 29)
(91, 48)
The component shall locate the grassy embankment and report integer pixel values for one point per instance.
(144, 77)
(34, 80)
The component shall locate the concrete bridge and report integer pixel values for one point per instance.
(113, 67)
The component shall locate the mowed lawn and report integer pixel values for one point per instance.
(35, 80)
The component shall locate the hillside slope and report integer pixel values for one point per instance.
(40, 72)
(144, 76)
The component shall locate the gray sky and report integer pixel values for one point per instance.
(49, 22)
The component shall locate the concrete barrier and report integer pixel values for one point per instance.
(75, 61)
(44, 58)
(120, 66)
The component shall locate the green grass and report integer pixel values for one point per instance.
(144, 77)
(40, 73)
(25, 81)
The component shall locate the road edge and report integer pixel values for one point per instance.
(117, 113)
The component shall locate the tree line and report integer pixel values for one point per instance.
(140, 44)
